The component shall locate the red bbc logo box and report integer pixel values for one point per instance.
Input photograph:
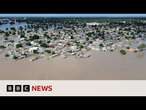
(18, 88)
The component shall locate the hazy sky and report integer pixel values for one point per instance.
(73, 15)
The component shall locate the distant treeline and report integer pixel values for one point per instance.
(31, 20)
(82, 20)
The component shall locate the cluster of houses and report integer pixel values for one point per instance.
(74, 40)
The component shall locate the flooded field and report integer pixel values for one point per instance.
(16, 26)
(100, 66)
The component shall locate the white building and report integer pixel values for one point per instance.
(33, 49)
(92, 24)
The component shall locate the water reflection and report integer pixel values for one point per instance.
(9, 26)
(140, 54)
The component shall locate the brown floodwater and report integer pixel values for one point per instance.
(100, 66)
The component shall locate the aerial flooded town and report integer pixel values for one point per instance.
(72, 48)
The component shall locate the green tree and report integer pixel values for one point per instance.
(44, 45)
(18, 45)
(123, 52)
(6, 34)
(141, 46)
(2, 47)
(34, 37)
